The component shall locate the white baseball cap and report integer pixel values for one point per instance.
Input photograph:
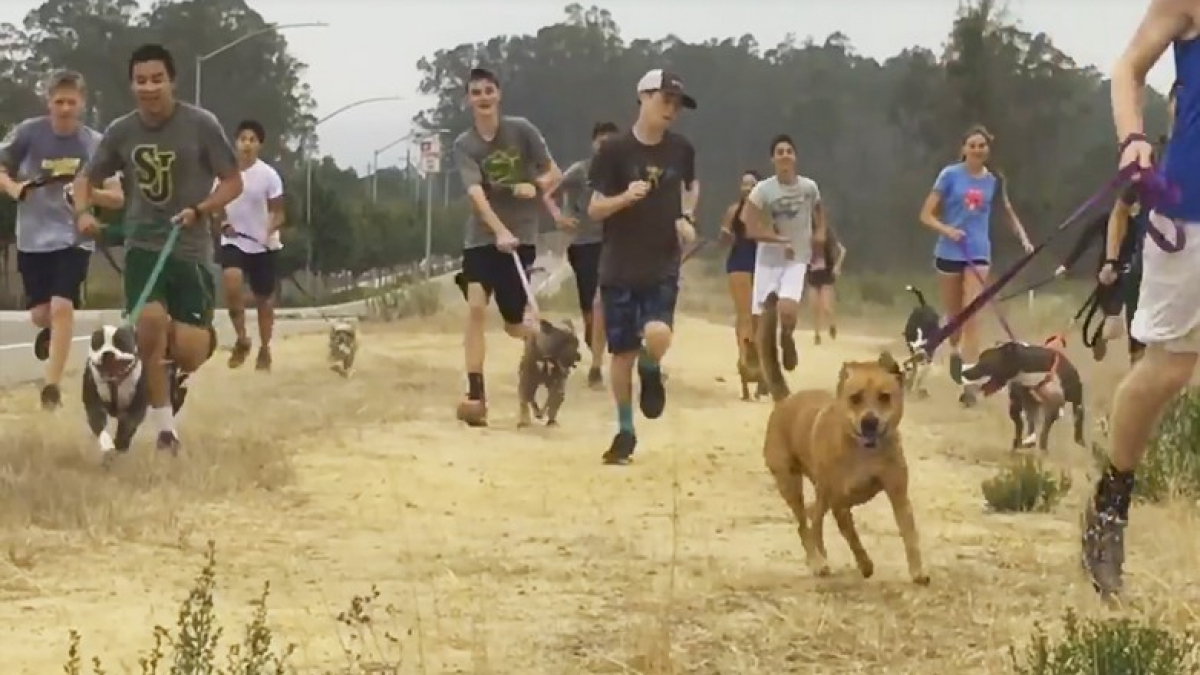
(661, 80)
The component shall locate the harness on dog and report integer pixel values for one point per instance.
(1056, 344)
(1152, 188)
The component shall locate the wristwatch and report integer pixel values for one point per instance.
(689, 217)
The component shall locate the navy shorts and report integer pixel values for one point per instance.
(628, 310)
(742, 255)
(53, 274)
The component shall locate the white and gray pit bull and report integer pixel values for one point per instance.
(1040, 381)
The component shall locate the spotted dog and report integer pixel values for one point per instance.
(343, 347)
(114, 387)
(923, 322)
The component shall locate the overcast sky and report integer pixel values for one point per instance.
(371, 46)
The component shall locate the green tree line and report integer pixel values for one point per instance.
(873, 133)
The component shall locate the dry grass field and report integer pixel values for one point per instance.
(512, 551)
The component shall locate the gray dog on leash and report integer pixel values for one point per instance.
(1040, 381)
(548, 359)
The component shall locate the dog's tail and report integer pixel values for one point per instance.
(768, 349)
(917, 292)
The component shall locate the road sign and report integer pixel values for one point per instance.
(431, 154)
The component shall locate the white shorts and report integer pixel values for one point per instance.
(786, 281)
(1168, 311)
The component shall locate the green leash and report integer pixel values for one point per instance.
(131, 317)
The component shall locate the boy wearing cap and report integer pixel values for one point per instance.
(504, 164)
(645, 193)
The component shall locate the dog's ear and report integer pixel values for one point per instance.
(888, 363)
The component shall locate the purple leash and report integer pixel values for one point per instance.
(1152, 188)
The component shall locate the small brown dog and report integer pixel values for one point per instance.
(343, 347)
(751, 373)
(846, 443)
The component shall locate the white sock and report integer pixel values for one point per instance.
(164, 418)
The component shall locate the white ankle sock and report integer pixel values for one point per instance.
(163, 418)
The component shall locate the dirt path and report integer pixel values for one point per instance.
(506, 551)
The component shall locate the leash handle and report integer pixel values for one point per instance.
(529, 296)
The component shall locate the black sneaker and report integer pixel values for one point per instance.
(621, 450)
(1099, 348)
(956, 368)
(1103, 544)
(832, 332)
(652, 397)
(595, 378)
(41, 345)
(168, 441)
(787, 345)
(51, 397)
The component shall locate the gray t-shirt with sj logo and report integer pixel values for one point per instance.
(578, 194)
(518, 154)
(45, 221)
(165, 169)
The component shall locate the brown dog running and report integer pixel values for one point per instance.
(846, 443)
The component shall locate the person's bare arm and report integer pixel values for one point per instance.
(820, 222)
(839, 258)
(1164, 21)
(12, 154)
(1015, 223)
(726, 233)
(276, 207)
(218, 154)
(111, 196)
(689, 197)
(756, 227)
(929, 217)
(1118, 223)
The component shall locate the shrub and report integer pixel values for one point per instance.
(1107, 647)
(1171, 467)
(1025, 486)
(194, 648)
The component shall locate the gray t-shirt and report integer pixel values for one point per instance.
(577, 195)
(45, 221)
(165, 170)
(517, 154)
(789, 207)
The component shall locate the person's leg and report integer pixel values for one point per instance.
(950, 290)
(969, 348)
(599, 339)
(262, 278)
(811, 281)
(656, 319)
(477, 266)
(741, 289)
(585, 263)
(152, 328)
(233, 273)
(791, 292)
(624, 341)
(70, 270)
(191, 293)
(37, 272)
(826, 301)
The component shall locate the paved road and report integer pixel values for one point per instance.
(17, 364)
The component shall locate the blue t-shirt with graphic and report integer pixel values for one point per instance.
(966, 204)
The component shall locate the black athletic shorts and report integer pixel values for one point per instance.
(957, 266)
(493, 269)
(585, 262)
(53, 274)
(257, 268)
(819, 278)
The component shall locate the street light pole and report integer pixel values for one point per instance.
(270, 28)
(429, 181)
(308, 166)
(375, 164)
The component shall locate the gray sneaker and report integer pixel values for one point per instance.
(1103, 549)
